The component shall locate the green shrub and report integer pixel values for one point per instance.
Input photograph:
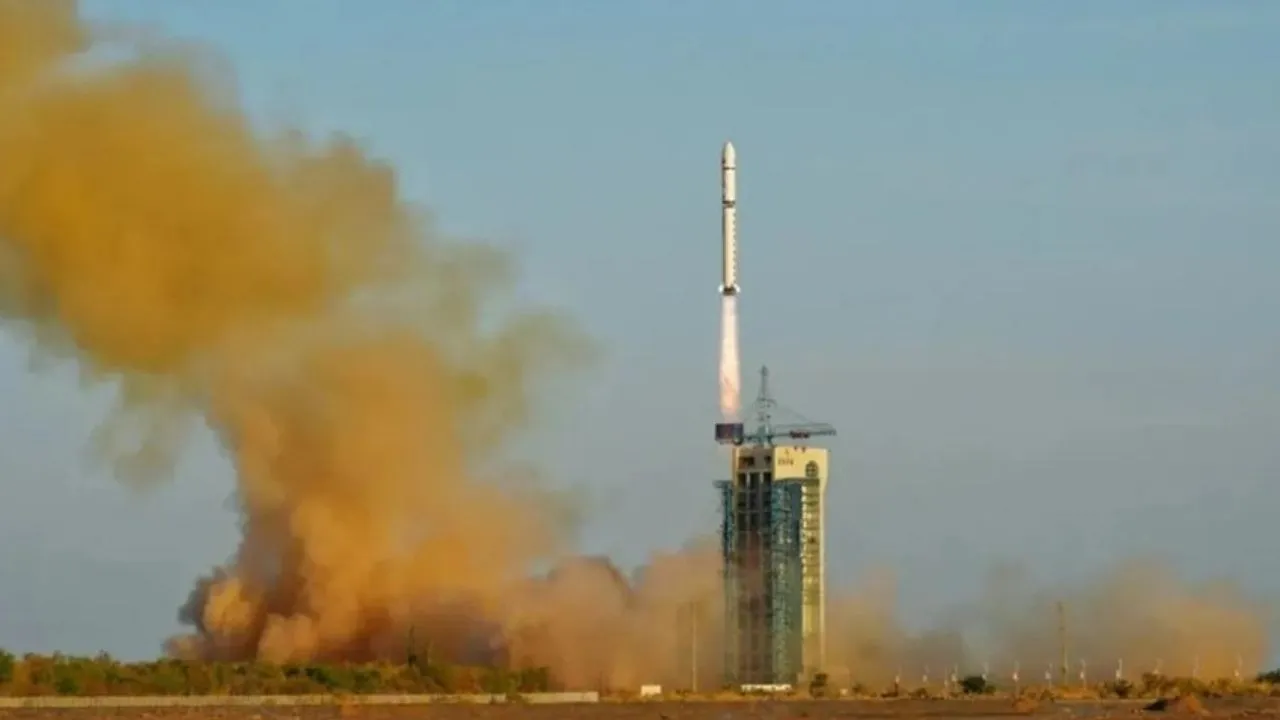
(976, 685)
(1121, 688)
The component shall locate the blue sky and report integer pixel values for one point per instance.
(1016, 252)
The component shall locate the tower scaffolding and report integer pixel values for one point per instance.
(772, 548)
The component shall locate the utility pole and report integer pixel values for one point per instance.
(693, 648)
(1063, 667)
(687, 626)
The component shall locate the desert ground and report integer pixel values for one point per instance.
(741, 710)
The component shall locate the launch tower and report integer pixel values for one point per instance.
(773, 545)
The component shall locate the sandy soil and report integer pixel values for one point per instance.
(788, 710)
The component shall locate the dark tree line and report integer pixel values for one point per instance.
(103, 675)
(33, 675)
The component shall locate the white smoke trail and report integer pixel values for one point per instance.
(730, 372)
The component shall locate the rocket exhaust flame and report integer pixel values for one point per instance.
(730, 371)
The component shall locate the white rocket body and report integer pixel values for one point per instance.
(729, 220)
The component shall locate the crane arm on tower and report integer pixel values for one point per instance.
(768, 432)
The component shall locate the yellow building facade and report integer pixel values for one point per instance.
(775, 559)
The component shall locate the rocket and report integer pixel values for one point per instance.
(729, 221)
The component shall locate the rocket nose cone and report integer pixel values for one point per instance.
(728, 156)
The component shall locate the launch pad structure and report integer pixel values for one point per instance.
(773, 547)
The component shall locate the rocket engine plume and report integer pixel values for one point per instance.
(730, 370)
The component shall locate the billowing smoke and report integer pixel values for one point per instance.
(597, 629)
(1139, 615)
